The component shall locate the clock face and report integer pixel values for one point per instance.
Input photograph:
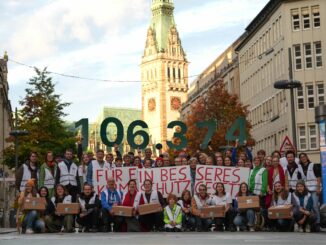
(151, 104)
(175, 103)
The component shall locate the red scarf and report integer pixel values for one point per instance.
(129, 199)
(271, 174)
(50, 164)
(268, 200)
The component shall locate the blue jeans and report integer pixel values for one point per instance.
(203, 224)
(31, 221)
(188, 221)
(315, 208)
(246, 218)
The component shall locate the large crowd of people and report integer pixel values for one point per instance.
(277, 180)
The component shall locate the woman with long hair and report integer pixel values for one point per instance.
(221, 197)
(275, 174)
(129, 201)
(188, 220)
(56, 221)
(244, 217)
(281, 197)
(48, 172)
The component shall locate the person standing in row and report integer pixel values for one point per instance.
(48, 172)
(293, 171)
(99, 163)
(311, 174)
(27, 171)
(67, 175)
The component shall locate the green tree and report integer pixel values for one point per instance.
(42, 115)
(225, 108)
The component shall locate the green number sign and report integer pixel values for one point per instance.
(180, 135)
(240, 126)
(83, 123)
(211, 126)
(103, 132)
(131, 135)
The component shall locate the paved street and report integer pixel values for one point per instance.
(165, 238)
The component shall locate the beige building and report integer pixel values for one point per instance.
(225, 67)
(164, 72)
(5, 107)
(263, 59)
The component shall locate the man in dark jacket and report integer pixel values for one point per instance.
(90, 205)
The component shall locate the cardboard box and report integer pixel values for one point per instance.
(68, 208)
(34, 203)
(246, 202)
(122, 211)
(280, 212)
(214, 211)
(149, 208)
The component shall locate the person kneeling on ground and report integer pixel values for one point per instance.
(109, 198)
(225, 199)
(281, 197)
(245, 217)
(90, 205)
(129, 201)
(29, 219)
(188, 220)
(200, 201)
(172, 214)
(303, 204)
(55, 221)
(153, 221)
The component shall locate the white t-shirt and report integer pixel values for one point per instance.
(216, 200)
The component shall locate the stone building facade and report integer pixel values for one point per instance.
(164, 72)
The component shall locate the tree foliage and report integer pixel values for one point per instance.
(42, 116)
(217, 104)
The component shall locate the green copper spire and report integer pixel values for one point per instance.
(162, 21)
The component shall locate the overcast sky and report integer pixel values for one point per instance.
(105, 39)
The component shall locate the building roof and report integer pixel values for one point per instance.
(262, 17)
(162, 21)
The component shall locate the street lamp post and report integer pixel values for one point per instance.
(291, 85)
(16, 134)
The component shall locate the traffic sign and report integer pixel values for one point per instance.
(287, 145)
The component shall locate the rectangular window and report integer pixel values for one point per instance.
(312, 137)
(316, 16)
(302, 138)
(300, 98)
(297, 57)
(318, 54)
(310, 96)
(320, 94)
(295, 20)
(308, 55)
(305, 18)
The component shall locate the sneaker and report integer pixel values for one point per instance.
(296, 227)
(307, 228)
(29, 231)
(300, 229)
(238, 228)
(213, 227)
(251, 229)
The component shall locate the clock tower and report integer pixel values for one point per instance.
(164, 72)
